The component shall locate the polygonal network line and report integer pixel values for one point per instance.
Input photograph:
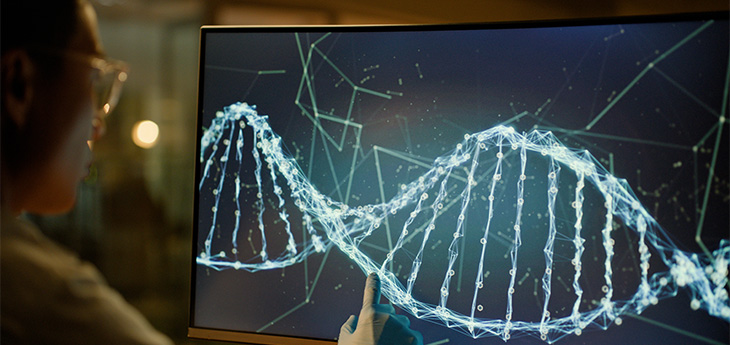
(329, 221)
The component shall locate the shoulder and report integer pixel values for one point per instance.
(31, 261)
(43, 283)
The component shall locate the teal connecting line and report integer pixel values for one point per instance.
(646, 69)
(346, 227)
(285, 199)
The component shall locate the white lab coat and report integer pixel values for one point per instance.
(49, 296)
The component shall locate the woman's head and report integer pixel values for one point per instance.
(47, 102)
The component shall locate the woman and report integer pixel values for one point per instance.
(52, 62)
(57, 88)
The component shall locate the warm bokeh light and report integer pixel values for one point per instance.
(145, 134)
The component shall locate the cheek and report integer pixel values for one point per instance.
(67, 167)
(78, 108)
(65, 140)
(75, 150)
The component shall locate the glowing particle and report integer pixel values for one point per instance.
(694, 304)
(329, 221)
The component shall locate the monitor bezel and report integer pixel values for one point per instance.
(273, 339)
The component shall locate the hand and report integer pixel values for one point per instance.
(377, 323)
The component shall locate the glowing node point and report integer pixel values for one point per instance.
(695, 304)
(725, 312)
(337, 223)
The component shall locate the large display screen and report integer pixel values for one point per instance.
(534, 182)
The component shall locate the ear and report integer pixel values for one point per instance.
(17, 85)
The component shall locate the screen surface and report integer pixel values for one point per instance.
(521, 182)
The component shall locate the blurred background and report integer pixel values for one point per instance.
(134, 215)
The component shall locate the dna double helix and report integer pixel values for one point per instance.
(483, 163)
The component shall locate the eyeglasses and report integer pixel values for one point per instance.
(108, 78)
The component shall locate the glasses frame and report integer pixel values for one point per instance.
(113, 72)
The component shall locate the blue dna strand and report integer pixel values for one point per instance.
(325, 222)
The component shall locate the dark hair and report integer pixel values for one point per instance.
(35, 26)
(46, 24)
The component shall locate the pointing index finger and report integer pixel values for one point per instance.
(372, 290)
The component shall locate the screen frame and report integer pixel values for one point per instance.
(271, 339)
